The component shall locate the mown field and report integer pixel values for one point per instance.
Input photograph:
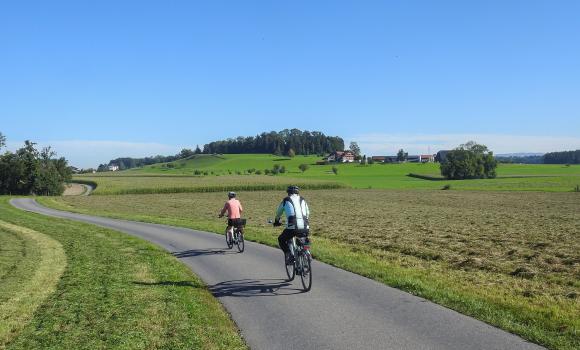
(69, 285)
(511, 259)
(233, 169)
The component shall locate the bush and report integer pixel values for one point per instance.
(303, 167)
(335, 170)
(258, 172)
(446, 187)
(197, 172)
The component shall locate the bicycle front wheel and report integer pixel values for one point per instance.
(290, 270)
(240, 242)
(229, 241)
(305, 271)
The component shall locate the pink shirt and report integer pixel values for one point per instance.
(234, 209)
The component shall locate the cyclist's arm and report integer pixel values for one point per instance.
(279, 211)
(241, 209)
(224, 209)
(306, 210)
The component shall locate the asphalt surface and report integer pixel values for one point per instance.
(342, 311)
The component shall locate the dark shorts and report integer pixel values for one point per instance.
(236, 222)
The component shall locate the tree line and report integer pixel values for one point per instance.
(125, 163)
(566, 157)
(279, 143)
(30, 171)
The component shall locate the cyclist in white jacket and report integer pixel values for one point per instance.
(297, 215)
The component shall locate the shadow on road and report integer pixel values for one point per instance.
(170, 283)
(199, 252)
(253, 288)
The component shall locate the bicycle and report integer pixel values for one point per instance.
(300, 249)
(238, 236)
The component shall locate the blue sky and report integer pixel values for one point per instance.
(103, 79)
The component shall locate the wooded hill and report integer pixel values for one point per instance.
(300, 142)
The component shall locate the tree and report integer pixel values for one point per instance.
(469, 161)
(303, 167)
(291, 153)
(28, 171)
(278, 151)
(2, 140)
(355, 149)
(402, 155)
(185, 153)
(197, 150)
(335, 170)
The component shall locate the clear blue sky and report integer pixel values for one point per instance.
(178, 73)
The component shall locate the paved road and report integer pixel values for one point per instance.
(343, 310)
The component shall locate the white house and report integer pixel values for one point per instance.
(113, 167)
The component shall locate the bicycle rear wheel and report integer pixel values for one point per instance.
(305, 271)
(240, 241)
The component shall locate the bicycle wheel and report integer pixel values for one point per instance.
(290, 270)
(305, 271)
(240, 241)
(229, 242)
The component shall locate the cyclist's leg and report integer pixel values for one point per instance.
(283, 239)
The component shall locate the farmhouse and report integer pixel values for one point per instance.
(427, 158)
(341, 157)
(113, 167)
(384, 159)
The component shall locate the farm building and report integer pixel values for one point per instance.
(427, 158)
(441, 156)
(341, 157)
(113, 167)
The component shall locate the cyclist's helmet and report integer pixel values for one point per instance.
(293, 190)
(231, 195)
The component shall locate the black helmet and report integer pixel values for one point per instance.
(232, 195)
(293, 189)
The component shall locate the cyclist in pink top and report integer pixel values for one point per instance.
(234, 209)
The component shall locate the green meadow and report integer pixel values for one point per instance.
(247, 171)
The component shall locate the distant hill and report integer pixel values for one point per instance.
(506, 155)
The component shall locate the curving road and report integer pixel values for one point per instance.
(343, 310)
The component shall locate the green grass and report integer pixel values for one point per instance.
(507, 258)
(520, 177)
(128, 184)
(116, 292)
(31, 264)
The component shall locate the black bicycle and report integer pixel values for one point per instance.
(302, 265)
(238, 236)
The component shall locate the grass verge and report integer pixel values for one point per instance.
(30, 267)
(116, 292)
(516, 269)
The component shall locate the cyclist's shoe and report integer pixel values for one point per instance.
(289, 259)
